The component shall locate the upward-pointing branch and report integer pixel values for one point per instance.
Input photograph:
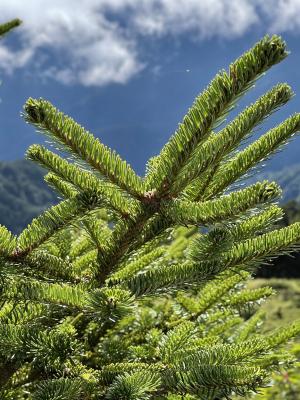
(8, 26)
(219, 145)
(65, 131)
(210, 107)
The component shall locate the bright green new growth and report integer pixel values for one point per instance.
(118, 292)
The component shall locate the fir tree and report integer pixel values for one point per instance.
(135, 288)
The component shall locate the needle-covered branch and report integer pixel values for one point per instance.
(220, 144)
(57, 217)
(136, 288)
(80, 143)
(7, 242)
(210, 106)
(224, 208)
(63, 188)
(252, 155)
(82, 180)
(256, 249)
(8, 26)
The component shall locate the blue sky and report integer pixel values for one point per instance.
(128, 69)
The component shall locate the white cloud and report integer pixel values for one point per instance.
(95, 42)
(225, 18)
(88, 48)
(283, 15)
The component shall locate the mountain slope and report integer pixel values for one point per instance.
(23, 194)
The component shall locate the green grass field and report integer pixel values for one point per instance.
(282, 308)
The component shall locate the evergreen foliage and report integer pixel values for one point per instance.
(8, 26)
(134, 288)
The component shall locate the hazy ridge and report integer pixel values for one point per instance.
(23, 193)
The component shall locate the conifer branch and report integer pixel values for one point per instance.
(238, 300)
(62, 187)
(130, 269)
(201, 380)
(194, 190)
(75, 139)
(211, 293)
(86, 264)
(136, 385)
(122, 238)
(8, 26)
(256, 224)
(48, 265)
(253, 250)
(220, 144)
(77, 316)
(283, 334)
(81, 246)
(210, 106)
(7, 242)
(252, 155)
(249, 326)
(82, 180)
(189, 273)
(226, 207)
(168, 277)
(66, 388)
(220, 239)
(35, 291)
(57, 217)
(261, 247)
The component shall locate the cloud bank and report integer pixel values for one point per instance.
(96, 42)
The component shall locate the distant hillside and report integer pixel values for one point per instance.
(23, 194)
